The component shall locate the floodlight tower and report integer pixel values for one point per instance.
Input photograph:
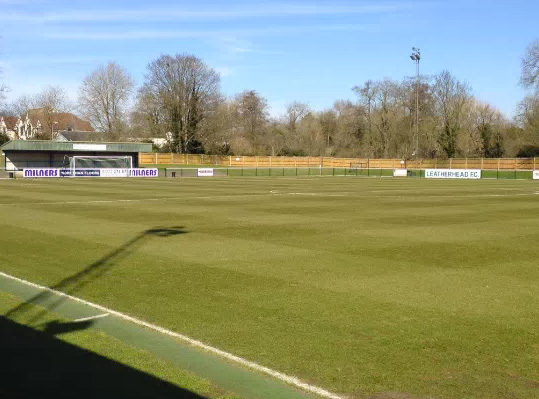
(416, 56)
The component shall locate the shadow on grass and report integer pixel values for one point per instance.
(38, 365)
(90, 273)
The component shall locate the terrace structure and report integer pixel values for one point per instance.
(21, 154)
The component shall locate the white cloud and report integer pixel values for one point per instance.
(20, 2)
(21, 17)
(231, 12)
(232, 45)
(128, 35)
(178, 34)
(53, 60)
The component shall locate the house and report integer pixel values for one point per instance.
(19, 128)
(37, 123)
(7, 126)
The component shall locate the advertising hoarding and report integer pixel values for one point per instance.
(104, 172)
(204, 172)
(453, 173)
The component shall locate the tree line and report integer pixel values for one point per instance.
(180, 99)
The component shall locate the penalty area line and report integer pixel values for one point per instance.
(99, 316)
(291, 380)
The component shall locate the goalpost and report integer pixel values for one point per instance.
(78, 162)
(100, 162)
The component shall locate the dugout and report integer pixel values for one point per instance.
(20, 154)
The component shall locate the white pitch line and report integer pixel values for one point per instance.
(271, 193)
(456, 196)
(199, 344)
(390, 196)
(99, 316)
(133, 200)
(337, 194)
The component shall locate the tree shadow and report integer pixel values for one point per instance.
(39, 365)
(57, 327)
(70, 285)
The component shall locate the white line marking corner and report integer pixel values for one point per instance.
(99, 316)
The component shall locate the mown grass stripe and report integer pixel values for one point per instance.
(229, 356)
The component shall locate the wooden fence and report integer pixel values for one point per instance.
(331, 162)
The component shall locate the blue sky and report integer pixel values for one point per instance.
(310, 51)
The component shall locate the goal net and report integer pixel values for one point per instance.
(100, 162)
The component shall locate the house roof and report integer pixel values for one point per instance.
(10, 121)
(70, 146)
(82, 136)
(66, 120)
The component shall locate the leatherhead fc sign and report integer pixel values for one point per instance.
(453, 173)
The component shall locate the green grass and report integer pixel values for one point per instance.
(113, 349)
(363, 286)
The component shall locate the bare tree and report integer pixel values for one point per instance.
(251, 111)
(387, 114)
(528, 108)
(216, 130)
(486, 126)
(21, 106)
(451, 97)
(382, 104)
(3, 137)
(366, 95)
(47, 107)
(367, 98)
(328, 123)
(148, 118)
(103, 98)
(528, 117)
(288, 131)
(311, 136)
(530, 67)
(185, 89)
(50, 102)
(295, 111)
(3, 89)
(351, 131)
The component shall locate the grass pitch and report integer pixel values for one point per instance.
(73, 371)
(367, 287)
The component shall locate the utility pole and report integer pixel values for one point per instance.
(52, 129)
(416, 56)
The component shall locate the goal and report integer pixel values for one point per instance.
(100, 162)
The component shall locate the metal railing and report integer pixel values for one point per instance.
(190, 172)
